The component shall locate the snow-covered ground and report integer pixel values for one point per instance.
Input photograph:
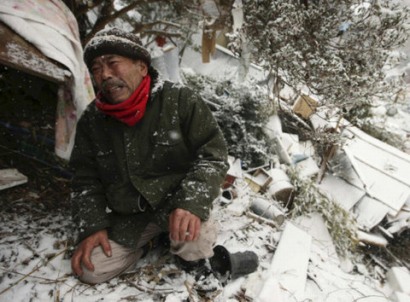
(35, 264)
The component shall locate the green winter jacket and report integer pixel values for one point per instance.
(175, 157)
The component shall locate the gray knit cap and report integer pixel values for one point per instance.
(118, 42)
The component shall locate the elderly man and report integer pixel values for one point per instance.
(148, 158)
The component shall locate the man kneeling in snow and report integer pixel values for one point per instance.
(148, 158)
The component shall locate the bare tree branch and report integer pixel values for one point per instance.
(109, 14)
(83, 9)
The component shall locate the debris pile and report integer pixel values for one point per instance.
(364, 176)
(297, 257)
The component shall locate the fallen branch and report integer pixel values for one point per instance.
(262, 220)
(150, 290)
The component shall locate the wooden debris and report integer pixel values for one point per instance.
(290, 262)
(305, 106)
(290, 143)
(369, 212)
(385, 174)
(259, 180)
(29, 58)
(307, 168)
(208, 45)
(11, 178)
(371, 239)
(399, 226)
(322, 242)
(211, 14)
(234, 172)
(345, 194)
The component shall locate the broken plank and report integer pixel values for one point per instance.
(290, 262)
(369, 212)
(322, 242)
(345, 194)
(11, 178)
(372, 239)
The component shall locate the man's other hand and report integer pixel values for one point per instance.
(82, 254)
(184, 226)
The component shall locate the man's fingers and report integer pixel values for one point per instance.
(197, 229)
(190, 231)
(193, 230)
(86, 259)
(75, 263)
(82, 255)
(174, 228)
(105, 244)
(183, 228)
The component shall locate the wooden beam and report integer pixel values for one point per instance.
(17, 53)
(290, 262)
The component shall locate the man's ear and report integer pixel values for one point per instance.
(145, 71)
(143, 67)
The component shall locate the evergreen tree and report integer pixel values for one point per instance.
(338, 50)
(241, 113)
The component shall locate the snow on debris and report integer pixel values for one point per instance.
(36, 267)
(21, 57)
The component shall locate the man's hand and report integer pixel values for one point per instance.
(83, 252)
(184, 226)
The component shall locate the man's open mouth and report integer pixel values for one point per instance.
(112, 88)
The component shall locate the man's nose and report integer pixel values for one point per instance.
(106, 72)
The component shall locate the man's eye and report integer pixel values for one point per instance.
(95, 69)
(113, 62)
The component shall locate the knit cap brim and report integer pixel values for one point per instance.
(117, 42)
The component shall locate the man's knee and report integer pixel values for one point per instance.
(106, 268)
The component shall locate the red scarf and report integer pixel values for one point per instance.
(132, 109)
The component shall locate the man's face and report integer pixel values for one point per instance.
(117, 77)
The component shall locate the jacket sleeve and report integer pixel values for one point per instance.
(201, 132)
(87, 194)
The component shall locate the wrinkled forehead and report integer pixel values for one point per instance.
(105, 58)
